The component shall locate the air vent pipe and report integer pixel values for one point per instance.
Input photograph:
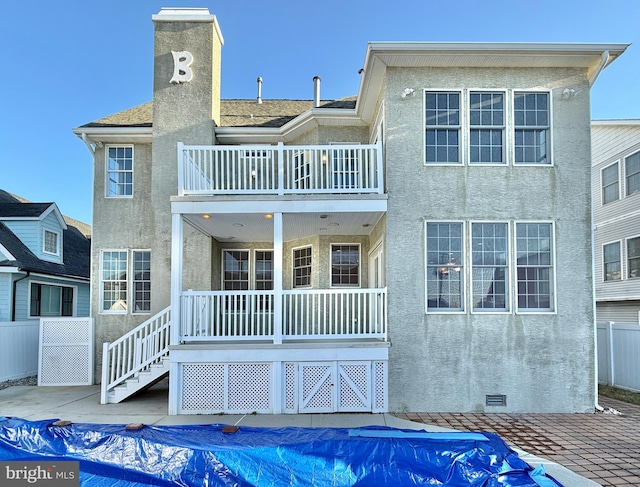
(316, 91)
(259, 99)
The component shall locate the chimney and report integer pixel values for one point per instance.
(316, 91)
(259, 100)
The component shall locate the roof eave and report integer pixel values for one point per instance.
(109, 135)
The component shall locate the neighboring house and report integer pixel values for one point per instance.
(44, 261)
(424, 246)
(616, 205)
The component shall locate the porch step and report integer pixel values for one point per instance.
(142, 380)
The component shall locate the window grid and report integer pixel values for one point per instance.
(345, 265)
(264, 270)
(531, 128)
(302, 261)
(51, 242)
(611, 261)
(119, 171)
(610, 184)
(114, 281)
(534, 266)
(632, 173)
(489, 261)
(141, 282)
(486, 132)
(236, 270)
(444, 267)
(442, 139)
(633, 257)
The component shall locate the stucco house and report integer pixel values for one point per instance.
(44, 261)
(424, 245)
(616, 208)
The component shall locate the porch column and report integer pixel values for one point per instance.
(277, 278)
(176, 275)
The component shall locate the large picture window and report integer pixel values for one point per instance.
(48, 300)
(489, 266)
(531, 127)
(119, 172)
(445, 267)
(443, 122)
(534, 261)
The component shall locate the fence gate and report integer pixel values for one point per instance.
(66, 352)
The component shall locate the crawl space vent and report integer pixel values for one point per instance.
(496, 400)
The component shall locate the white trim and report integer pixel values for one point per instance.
(222, 268)
(622, 275)
(106, 170)
(512, 129)
(58, 235)
(101, 282)
(625, 178)
(293, 267)
(79, 280)
(132, 280)
(345, 286)
(626, 254)
(505, 144)
(602, 203)
(461, 134)
(5, 252)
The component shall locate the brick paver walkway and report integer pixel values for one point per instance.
(601, 447)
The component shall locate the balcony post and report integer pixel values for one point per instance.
(180, 169)
(176, 276)
(280, 152)
(277, 278)
(379, 168)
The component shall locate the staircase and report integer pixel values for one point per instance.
(136, 360)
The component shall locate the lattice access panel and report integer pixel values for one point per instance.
(66, 352)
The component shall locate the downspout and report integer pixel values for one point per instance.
(91, 146)
(595, 317)
(604, 60)
(13, 297)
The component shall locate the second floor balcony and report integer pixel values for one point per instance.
(280, 169)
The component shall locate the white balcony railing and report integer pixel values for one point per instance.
(306, 315)
(279, 169)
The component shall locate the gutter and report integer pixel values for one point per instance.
(13, 296)
(604, 60)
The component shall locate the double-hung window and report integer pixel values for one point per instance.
(486, 128)
(345, 265)
(141, 281)
(610, 183)
(632, 173)
(633, 257)
(113, 281)
(119, 181)
(534, 265)
(531, 128)
(236, 270)
(489, 266)
(611, 261)
(443, 124)
(302, 259)
(445, 267)
(47, 300)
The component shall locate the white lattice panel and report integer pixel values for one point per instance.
(203, 388)
(291, 387)
(354, 386)
(317, 387)
(65, 352)
(249, 388)
(380, 387)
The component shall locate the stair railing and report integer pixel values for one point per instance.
(138, 350)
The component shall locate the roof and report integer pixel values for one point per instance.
(233, 113)
(23, 210)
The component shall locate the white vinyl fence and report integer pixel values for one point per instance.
(18, 349)
(619, 355)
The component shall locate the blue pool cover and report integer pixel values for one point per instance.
(205, 455)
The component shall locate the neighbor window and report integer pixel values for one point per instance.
(141, 281)
(610, 184)
(49, 300)
(345, 265)
(632, 173)
(50, 243)
(531, 128)
(302, 267)
(633, 257)
(444, 267)
(119, 172)
(442, 119)
(236, 270)
(486, 128)
(113, 281)
(611, 261)
(489, 269)
(534, 261)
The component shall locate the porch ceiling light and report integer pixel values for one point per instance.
(268, 216)
(206, 217)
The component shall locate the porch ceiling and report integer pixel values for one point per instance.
(254, 227)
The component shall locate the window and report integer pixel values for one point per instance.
(633, 257)
(113, 282)
(236, 270)
(632, 173)
(486, 128)
(345, 265)
(610, 186)
(302, 267)
(50, 243)
(534, 266)
(489, 269)
(49, 300)
(264, 270)
(611, 261)
(444, 267)
(119, 172)
(442, 119)
(531, 125)
(141, 281)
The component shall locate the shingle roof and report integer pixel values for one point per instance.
(233, 113)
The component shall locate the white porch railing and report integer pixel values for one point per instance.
(134, 352)
(279, 169)
(307, 315)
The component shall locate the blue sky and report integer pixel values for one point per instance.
(71, 62)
